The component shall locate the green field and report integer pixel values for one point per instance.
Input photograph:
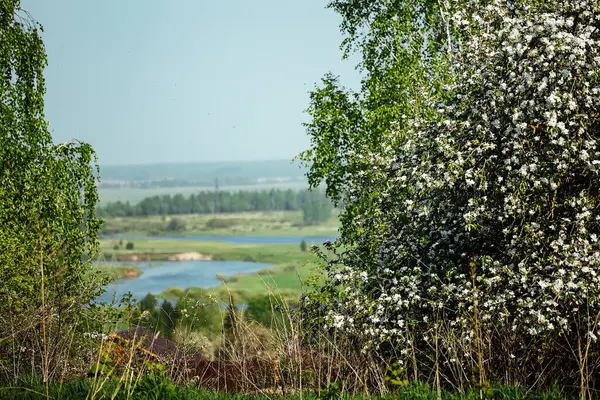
(159, 249)
(274, 223)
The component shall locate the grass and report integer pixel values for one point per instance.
(161, 249)
(151, 387)
(284, 280)
(272, 223)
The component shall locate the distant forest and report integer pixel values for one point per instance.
(314, 204)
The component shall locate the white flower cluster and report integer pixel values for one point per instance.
(95, 335)
(493, 207)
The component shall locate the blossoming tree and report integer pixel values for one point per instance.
(475, 245)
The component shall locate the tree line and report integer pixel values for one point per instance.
(314, 204)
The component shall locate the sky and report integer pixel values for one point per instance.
(188, 80)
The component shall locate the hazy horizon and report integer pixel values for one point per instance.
(216, 161)
(188, 82)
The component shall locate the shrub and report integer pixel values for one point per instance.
(268, 310)
(193, 342)
(260, 309)
(129, 246)
(221, 223)
(199, 313)
(303, 246)
(175, 225)
(483, 237)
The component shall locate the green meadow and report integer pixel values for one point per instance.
(268, 223)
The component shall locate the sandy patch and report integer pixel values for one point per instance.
(190, 256)
(132, 273)
(130, 258)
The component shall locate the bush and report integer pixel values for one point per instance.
(129, 246)
(303, 246)
(193, 342)
(175, 225)
(173, 293)
(221, 223)
(199, 313)
(266, 310)
(228, 279)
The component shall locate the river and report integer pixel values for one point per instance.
(158, 276)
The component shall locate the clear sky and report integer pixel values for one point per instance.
(153, 81)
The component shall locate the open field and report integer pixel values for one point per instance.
(273, 223)
(134, 195)
(158, 249)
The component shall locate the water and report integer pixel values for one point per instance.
(183, 274)
(240, 239)
(186, 274)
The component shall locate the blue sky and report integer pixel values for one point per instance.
(154, 81)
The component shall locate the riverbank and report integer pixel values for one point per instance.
(291, 267)
(119, 271)
(150, 249)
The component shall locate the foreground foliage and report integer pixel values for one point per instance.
(468, 170)
(157, 387)
(471, 189)
(48, 227)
